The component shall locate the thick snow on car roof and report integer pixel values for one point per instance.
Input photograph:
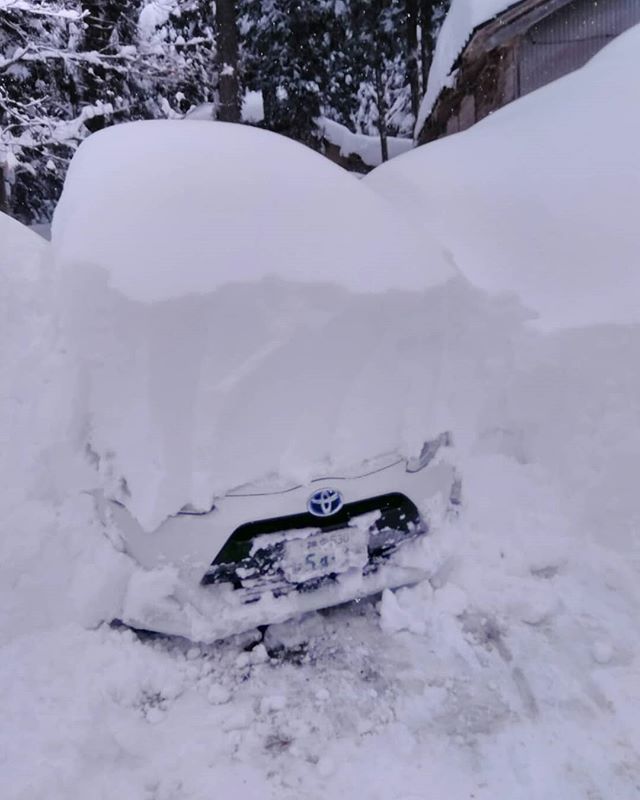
(169, 208)
(228, 307)
(541, 198)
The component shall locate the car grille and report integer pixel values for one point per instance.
(247, 565)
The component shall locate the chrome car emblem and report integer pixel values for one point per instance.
(325, 502)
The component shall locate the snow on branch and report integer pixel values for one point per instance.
(40, 9)
(30, 53)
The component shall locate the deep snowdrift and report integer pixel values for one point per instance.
(541, 199)
(514, 673)
(168, 209)
(22, 324)
(206, 271)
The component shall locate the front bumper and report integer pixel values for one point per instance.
(160, 601)
(186, 579)
(254, 558)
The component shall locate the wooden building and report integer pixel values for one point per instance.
(529, 44)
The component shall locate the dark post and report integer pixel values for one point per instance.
(412, 55)
(227, 42)
(382, 111)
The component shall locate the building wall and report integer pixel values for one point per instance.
(559, 44)
(566, 40)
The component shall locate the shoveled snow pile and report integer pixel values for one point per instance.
(463, 17)
(541, 199)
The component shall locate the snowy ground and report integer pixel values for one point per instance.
(515, 678)
(513, 673)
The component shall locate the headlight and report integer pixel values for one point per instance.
(429, 452)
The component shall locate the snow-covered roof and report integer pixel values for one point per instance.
(462, 20)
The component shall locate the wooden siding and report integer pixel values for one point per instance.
(567, 39)
(529, 45)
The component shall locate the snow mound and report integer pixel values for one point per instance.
(463, 18)
(168, 209)
(22, 254)
(541, 198)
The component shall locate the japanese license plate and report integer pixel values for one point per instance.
(323, 553)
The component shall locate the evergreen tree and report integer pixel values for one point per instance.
(287, 47)
(69, 68)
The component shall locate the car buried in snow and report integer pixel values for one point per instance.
(263, 554)
(232, 302)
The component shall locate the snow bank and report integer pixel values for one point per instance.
(168, 209)
(513, 673)
(49, 539)
(22, 254)
(463, 18)
(541, 198)
(359, 144)
(181, 401)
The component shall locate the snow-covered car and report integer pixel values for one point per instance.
(233, 300)
(263, 553)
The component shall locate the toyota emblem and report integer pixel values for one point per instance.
(325, 502)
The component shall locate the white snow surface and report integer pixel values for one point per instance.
(208, 308)
(252, 110)
(168, 209)
(541, 199)
(463, 17)
(512, 673)
(360, 144)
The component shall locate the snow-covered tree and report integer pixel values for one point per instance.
(287, 47)
(71, 67)
(68, 68)
(354, 61)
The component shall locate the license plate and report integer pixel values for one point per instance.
(323, 553)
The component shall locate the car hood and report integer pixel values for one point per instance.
(277, 485)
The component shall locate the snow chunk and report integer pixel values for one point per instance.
(168, 209)
(153, 16)
(602, 651)
(252, 107)
(541, 198)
